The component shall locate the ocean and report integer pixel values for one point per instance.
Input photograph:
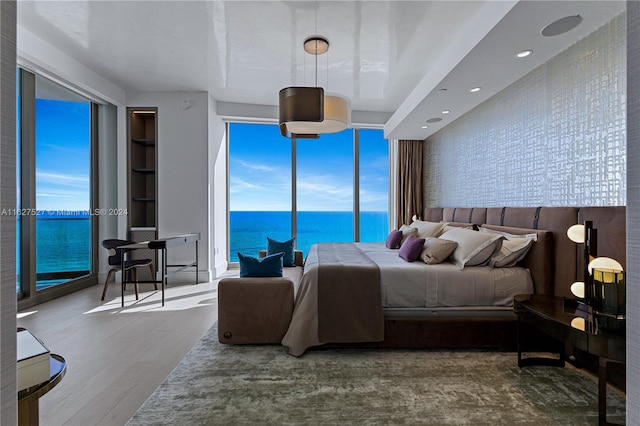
(249, 229)
(63, 244)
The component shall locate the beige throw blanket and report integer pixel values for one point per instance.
(338, 301)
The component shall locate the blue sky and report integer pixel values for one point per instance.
(260, 170)
(62, 155)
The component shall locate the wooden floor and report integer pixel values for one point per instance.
(116, 356)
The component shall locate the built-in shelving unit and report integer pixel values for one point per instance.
(142, 168)
(143, 181)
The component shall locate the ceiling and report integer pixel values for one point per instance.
(391, 58)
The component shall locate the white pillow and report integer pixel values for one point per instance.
(428, 229)
(512, 251)
(474, 248)
(407, 231)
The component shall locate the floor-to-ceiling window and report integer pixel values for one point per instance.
(259, 187)
(374, 185)
(305, 188)
(56, 236)
(325, 189)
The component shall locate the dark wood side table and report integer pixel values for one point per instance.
(564, 320)
(28, 399)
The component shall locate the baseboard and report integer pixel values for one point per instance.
(204, 276)
(221, 268)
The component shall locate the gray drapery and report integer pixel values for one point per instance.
(409, 181)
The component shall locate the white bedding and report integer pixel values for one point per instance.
(418, 285)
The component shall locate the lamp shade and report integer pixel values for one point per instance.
(577, 289)
(576, 233)
(298, 108)
(337, 117)
(605, 263)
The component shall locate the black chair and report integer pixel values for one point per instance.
(130, 266)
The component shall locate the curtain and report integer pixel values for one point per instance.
(409, 181)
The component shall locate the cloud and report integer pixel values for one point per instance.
(240, 185)
(62, 179)
(255, 166)
(60, 199)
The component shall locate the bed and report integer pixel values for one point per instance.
(381, 308)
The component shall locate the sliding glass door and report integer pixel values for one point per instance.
(63, 184)
(56, 237)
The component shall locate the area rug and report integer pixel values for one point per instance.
(230, 385)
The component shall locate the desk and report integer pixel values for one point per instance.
(162, 244)
(603, 337)
(28, 399)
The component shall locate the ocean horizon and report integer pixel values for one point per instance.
(249, 229)
(63, 238)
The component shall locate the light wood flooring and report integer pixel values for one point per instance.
(117, 356)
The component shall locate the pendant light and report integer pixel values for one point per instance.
(307, 112)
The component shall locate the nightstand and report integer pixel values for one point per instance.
(565, 320)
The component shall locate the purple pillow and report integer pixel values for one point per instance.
(393, 240)
(411, 249)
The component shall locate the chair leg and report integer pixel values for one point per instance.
(106, 284)
(135, 280)
(153, 276)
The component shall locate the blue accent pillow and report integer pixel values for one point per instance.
(285, 247)
(270, 266)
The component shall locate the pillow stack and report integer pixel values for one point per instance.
(435, 242)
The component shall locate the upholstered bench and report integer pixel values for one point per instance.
(255, 310)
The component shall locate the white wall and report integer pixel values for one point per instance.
(218, 167)
(182, 145)
(39, 56)
(108, 226)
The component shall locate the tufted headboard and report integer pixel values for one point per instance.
(565, 265)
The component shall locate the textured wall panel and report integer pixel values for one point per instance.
(556, 137)
(8, 385)
(633, 214)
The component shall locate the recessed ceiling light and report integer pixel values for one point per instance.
(434, 120)
(524, 53)
(561, 26)
(443, 90)
(425, 127)
(475, 89)
(446, 111)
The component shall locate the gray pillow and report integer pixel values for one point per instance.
(512, 251)
(474, 248)
(436, 250)
(514, 248)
